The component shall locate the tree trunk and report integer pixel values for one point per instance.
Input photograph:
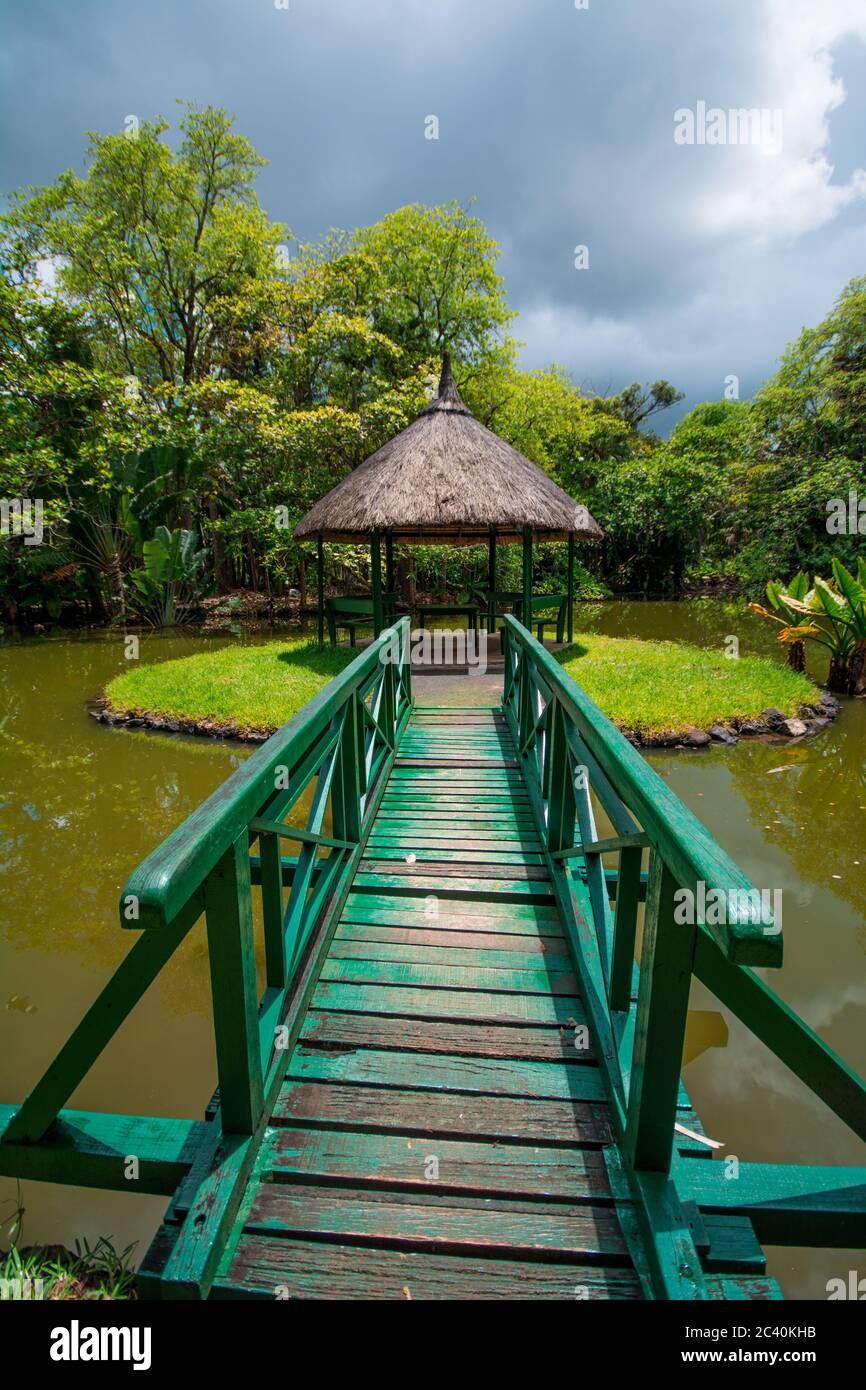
(837, 676)
(220, 569)
(796, 657)
(857, 671)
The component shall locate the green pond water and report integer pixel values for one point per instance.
(81, 804)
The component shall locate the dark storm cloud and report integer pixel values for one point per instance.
(558, 121)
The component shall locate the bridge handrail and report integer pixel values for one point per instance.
(342, 743)
(686, 846)
(163, 884)
(561, 733)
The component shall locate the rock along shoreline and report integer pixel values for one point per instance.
(771, 725)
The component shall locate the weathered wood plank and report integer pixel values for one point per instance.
(263, 1266)
(443, 1072)
(326, 1105)
(506, 863)
(549, 946)
(551, 1232)
(538, 917)
(477, 1006)
(404, 973)
(449, 955)
(344, 1031)
(448, 1167)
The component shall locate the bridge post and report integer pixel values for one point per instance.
(231, 950)
(667, 961)
(346, 788)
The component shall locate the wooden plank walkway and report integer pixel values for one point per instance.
(438, 1133)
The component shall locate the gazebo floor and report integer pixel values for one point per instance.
(494, 664)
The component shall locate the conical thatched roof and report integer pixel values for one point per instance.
(447, 478)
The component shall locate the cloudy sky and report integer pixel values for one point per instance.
(559, 120)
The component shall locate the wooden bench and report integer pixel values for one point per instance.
(352, 613)
(469, 611)
(543, 603)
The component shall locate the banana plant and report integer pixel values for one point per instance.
(831, 615)
(170, 581)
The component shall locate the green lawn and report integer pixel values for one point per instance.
(661, 687)
(253, 688)
(648, 688)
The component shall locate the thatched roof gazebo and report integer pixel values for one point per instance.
(448, 480)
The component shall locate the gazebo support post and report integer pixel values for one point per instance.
(320, 587)
(526, 615)
(389, 562)
(376, 581)
(571, 588)
(491, 580)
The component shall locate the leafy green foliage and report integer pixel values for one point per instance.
(833, 616)
(193, 367)
(170, 581)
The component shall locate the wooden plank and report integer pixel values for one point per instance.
(444, 1072)
(475, 889)
(551, 947)
(442, 823)
(504, 873)
(343, 1031)
(420, 840)
(405, 974)
(527, 933)
(481, 862)
(549, 1233)
(263, 1266)
(458, 761)
(432, 1114)
(477, 1006)
(448, 1167)
(541, 918)
(442, 954)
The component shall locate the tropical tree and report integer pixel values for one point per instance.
(150, 242)
(170, 582)
(832, 616)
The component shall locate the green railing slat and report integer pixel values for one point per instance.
(686, 846)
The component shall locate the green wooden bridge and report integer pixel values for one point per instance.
(450, 1078)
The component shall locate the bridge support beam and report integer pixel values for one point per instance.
(787, 1203)
(93, 1150)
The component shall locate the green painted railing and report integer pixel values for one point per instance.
(340, 746)
(574, 760)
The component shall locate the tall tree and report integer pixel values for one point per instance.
(151, 242)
